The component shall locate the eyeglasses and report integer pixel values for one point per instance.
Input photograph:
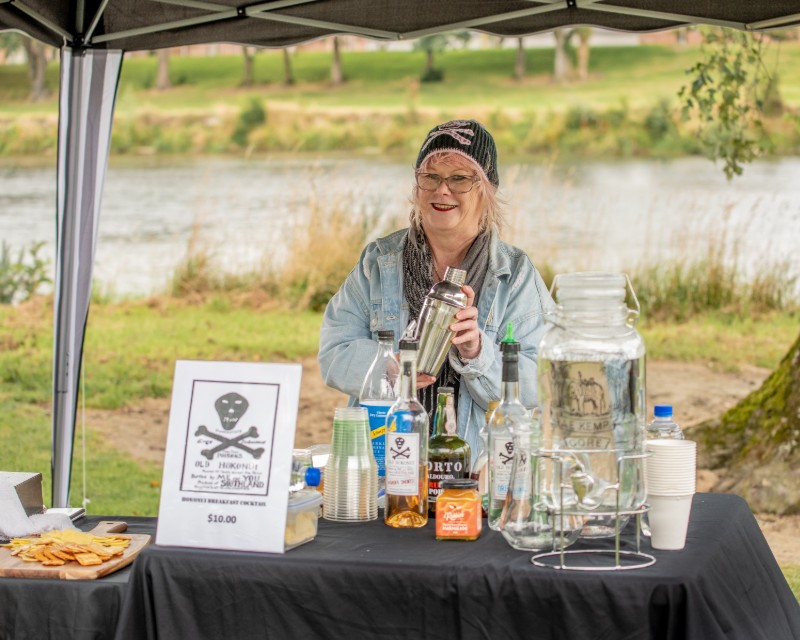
(456, 183)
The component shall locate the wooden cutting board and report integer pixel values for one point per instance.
(11, 566)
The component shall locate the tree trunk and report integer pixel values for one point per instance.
(162, 75)
(428, 63)
(755, 447)
(288, 75)
(584, 33)
(248, 79)
(36, 54)
(336, 67)
(519, 67)
(562, 66)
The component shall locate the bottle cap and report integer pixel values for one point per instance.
(386, 335)
(409, 345)
(509, 344)
(662, 411)
(313, 476)
(442, 390)
(459, 483)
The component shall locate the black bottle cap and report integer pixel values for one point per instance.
(459, 483)
(386, 335)
(409, 345)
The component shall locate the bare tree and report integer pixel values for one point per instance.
(336, 66)
(288, 74)
(162, 74)
(248, 76)
(583, 33)
(36, 54)
(519, 66)
(562, 66)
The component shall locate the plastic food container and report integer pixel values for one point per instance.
(302, 518)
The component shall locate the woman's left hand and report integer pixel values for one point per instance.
(468, 337)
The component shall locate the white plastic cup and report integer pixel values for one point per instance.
(668, 521)
(671, 467)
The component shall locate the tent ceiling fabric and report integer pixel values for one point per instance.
(152, 24)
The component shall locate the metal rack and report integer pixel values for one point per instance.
(596, 559)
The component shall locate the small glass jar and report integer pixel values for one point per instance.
(458, 510)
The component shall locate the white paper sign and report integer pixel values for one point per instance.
(229, 455)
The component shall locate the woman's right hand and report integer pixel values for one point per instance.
(424, 380)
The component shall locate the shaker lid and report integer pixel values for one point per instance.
(456, 276)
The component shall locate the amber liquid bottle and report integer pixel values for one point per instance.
(407, 450)
(448, 454)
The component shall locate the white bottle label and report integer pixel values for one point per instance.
(402, 464)
(502, 458)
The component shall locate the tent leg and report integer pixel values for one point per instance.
(87, 94)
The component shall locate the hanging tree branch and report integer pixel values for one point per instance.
(726, 97)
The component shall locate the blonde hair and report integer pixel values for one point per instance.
(492, 218)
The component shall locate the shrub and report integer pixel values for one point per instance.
(21, 278)
(250, 117)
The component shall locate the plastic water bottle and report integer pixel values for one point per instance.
(305, 477)
(378, 394)
(663, 427)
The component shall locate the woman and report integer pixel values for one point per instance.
(455, 221)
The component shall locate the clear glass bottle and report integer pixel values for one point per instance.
(407, 449)
(448, 453)
(378, 393)
(524, 523)
(592, 394)
(480, 467)
(509, 413)
(663, 426)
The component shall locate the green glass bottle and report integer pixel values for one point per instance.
(448, 454)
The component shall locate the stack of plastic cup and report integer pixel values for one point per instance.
(351, 474)
(671, 473)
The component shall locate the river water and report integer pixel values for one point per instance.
(589, 216)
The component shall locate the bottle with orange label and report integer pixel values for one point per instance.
(458, 510)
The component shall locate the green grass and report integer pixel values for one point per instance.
(792, 573)
(473, 79)
(723, 341)
(115, 483)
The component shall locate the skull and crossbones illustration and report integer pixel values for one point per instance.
(400, 452)
(230, 408)
(505, 459)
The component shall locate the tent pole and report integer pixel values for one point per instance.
(86, 107)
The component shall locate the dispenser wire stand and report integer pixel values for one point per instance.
(623, 560)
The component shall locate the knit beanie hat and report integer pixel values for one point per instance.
(466, 137)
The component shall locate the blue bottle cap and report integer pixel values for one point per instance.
(662, 411)
(313, 477)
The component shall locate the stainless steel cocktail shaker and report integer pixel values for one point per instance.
(443, 301)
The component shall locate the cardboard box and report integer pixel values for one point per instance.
(29, 489)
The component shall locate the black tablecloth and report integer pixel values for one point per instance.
(80, 609)
(372, 581)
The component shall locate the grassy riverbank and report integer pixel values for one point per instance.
(627, 107)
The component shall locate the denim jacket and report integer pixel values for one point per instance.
(371, 299)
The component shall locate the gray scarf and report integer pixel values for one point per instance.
(418, 280)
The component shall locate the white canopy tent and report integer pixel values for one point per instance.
(93, 35)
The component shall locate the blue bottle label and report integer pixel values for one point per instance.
(377, 426)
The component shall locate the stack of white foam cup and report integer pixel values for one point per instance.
(671, 473)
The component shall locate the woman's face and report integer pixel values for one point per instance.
(444, 211)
